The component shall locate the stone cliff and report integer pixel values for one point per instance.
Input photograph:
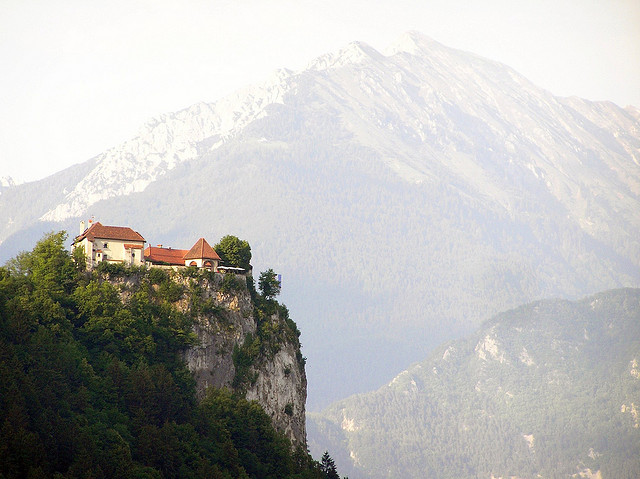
(244, 342)
(252, 351)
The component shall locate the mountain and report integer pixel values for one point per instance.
(404, 196)
(6, 182)
(549, 389)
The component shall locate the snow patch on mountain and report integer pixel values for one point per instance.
(413, 43)
(429, 113)
(167, 141)
(354, 53)
(7, 182)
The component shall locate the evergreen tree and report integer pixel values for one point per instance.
(328, 466)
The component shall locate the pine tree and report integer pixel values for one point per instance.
(328, 466)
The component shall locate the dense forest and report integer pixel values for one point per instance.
(550, 389)
(93, 386)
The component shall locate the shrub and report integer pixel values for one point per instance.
(115, 269)
(158, 275)
(190, 272)
(170, 291)
(230, 284)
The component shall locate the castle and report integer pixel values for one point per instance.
(121, 244)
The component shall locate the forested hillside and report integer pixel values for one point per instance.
(550, 389)
(92, 382)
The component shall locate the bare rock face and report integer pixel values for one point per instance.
(220, 327)
(228, 324)
(225, 318)
(281, 389)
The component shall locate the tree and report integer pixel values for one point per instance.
(328, 466)
(234, 252)
(268, 284)
(48, 266)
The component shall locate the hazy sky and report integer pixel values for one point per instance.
(81, 76)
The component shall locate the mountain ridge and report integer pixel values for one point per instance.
(547, 388)
(170, 139)
(420, 193)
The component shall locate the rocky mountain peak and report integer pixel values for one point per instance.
(6, 182)
(413, 43)
(352, 54)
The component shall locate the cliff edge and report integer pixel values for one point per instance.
(249, 345)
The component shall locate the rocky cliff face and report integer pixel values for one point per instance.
(250, 348)
(225, 321)
(281, 389)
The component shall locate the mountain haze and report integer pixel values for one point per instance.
(404, 197)
(549, 389)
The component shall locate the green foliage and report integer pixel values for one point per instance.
(244, 357)
(249, 437)
(231, 284)
(234, 252)
(170, 291)
(190, 272)
(115, 269)
(79, 258)
(93, 384)
(48, 266)
(251, 286)
(158, 275)
(119, 269)
(275, 329)
(328, 466)
(268, 284)
(537, 392)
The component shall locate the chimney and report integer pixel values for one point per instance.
(82, 228)
(159, 246)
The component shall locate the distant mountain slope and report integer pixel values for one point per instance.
(550, 389)
(404, 197)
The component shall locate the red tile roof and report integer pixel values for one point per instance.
(202, 250)
(97, 230)
(156, 254)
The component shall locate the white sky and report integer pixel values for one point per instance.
(80, 76)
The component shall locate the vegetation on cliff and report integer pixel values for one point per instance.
(550, 389)
(274, 329)
(93, 385)
(234, 252)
